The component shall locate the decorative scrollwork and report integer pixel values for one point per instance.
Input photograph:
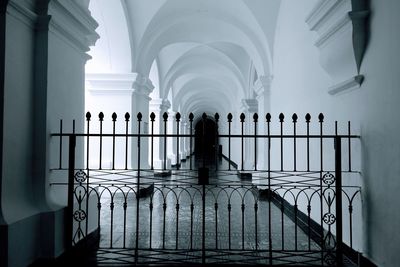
(79, 215)
(328, 178)
(330, 258)
(80, 176)
(329, 218)
(329, 241)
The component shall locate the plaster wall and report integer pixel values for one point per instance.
(300, 85)
(43, 82)
(18, 121)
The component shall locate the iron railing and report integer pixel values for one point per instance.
(209, 213)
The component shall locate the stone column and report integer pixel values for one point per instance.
(262, 88)
(249, 107)
(140, 103)
(187, 139)
(159, 107)
(171, 142)
(182, 130)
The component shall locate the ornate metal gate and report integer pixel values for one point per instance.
(208, 208)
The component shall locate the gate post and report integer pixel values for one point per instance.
(71, 175)
(338, 189)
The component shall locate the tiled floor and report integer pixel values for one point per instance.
(171, 223)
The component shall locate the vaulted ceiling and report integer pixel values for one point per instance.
(203, 54)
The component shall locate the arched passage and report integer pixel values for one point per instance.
(206, 134)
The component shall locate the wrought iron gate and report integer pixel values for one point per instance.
(199, 212)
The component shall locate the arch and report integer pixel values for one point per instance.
(113, 51)
(207, 61)
(200, 28)
(210, 87)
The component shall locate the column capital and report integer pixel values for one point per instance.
(142, 85)
(159, 104)
(263, 85)
(249, 105)
(165, 105)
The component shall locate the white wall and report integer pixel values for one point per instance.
(300, 85)
(18, 121)
(44, 78)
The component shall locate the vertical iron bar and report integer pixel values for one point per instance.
(229, 223)
(282, 225)
(281, 118)
(88, 116)
(229, 140)
(339, 226)
(268, 118)
(308, 118)
(243, 207)
(61, 145)
(164, 221)
(256, 223)
(336, 128)
(177, 226)
(295, 225)
(101, 118)
(203, 251)
(191, 225)
(309, 224)
(139, 118)
(203, 141)
(216, 116)
(191, 138)
(125, 205)
(255, 118)
(71, 174)
(112, 221)
(321, 120)
(242, 117)
(165, 117)
(351, 224)
(152, 117)
(114, 118)
(98, 210)
(349, 132)
(216, 224)
(127, 117)
(151, 221)
(294, 117)
(178, 117)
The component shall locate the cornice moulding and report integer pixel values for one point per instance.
(346, 86)
(76, 25)
(336, 28)
(120, 83)
(342, 40)
(321, 13)
(112, 92)
(23, 11)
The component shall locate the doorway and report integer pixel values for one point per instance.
(206, 140)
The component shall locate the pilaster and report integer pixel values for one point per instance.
(249, 107)
(142, 87)
(159, 107)
(262, 88)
